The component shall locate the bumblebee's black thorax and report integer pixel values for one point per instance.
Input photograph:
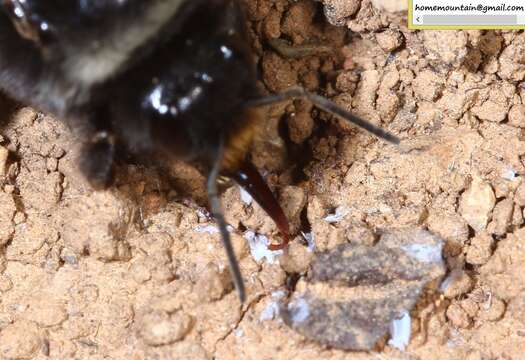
(190, 93)
(164, 75)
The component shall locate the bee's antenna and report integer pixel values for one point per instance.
(216, 211)
(328, 106)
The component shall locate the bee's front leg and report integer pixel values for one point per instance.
(97, 159)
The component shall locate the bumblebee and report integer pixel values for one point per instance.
(170, 78)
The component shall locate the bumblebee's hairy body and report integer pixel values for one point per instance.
(173, 78)
(200, 70)
(165, 77)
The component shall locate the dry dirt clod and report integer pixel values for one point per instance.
(470, 306)
(501, 217)
(491, 111)
(213, 283)
(297, 258)
(7, 213)
(338, 10)
(493, 310)
(391, 6)
(277, 73)
(20, 340)
(97, 223)
(46, 313)
(32, 241)
(40, 191)
(428, 85)
(451, 227)
(160, 328)
(355, 292)
(519, 196)
(512, 60)
(300, 123)
(517, 116)
(5, 283)
(480, 249)
(476, 204)
(458, 316)
(457, 283)
(389, 40)
(446, 47)
(293, 200)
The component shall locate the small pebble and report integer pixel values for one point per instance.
(213, 283)
(159, 328)
(457, 283)
(338, 10)
(458, 316)
(495, 310)
(389, 40)
(451, 227)
(20, 340)
(428, 85)
(470, 306)
(476, 204)
(297, 259)
(354, 294)
(491, 111)
(480, 249)
(517, 116)
(5, 283)
(46, 313)
(501, 217)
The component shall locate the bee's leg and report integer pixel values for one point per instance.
(289, 51)
(216, 211)
(325, 105)
(97, 159)
(249, 178)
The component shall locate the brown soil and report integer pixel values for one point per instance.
(138, 272)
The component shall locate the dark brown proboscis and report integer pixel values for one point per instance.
(249, 178)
